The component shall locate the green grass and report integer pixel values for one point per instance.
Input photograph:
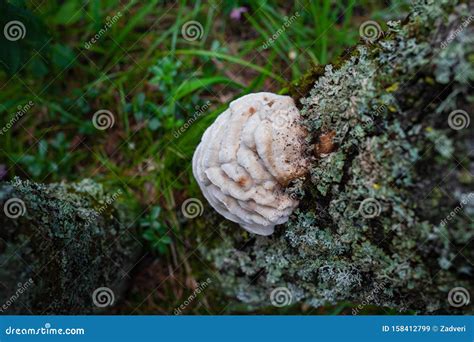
(153, 81)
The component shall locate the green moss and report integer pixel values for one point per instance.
(299, 88)
(66, 244)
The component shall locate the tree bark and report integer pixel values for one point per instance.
(386, 213)
(64, 249)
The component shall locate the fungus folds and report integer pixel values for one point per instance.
(248, 156)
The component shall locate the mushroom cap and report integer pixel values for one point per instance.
(247, 157)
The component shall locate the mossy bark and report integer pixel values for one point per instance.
(385, 217)
(58, 244)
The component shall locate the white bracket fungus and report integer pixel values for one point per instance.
(247, 157)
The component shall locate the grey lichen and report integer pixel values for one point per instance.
(65, 243)
(386, 109)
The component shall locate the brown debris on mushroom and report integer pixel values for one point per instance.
(247, 157)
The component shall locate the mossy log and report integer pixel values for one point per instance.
(64, 249)
(386, 213)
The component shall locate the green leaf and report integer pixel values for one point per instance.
(231, 59)
(28, 33)
(165, 239)
(43, 148)
(69, 13)
(10, 56)
(62, 56)
(154, 124)
(191, 86)
(38, 67)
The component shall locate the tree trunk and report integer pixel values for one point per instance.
(64, 249)
(386, 214)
